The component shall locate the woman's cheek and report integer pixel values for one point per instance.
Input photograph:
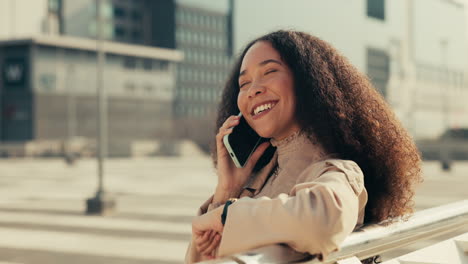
(241, 101)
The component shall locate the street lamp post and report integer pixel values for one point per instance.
(68, 150)
(101, 203)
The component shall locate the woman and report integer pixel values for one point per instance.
(342, 159)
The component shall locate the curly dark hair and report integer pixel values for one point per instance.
(338, 106)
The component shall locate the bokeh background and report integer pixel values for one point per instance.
(153, 99)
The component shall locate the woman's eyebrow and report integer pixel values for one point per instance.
(265, 62)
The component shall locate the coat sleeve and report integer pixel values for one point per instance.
(315, 217)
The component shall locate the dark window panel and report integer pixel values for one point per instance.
(147, 64)
(376, 9)
(119, 12)
(136, 15)
(119, 31)
(130, 63)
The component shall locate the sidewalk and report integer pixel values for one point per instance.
(42, 205)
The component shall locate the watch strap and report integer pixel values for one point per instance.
(225, 209)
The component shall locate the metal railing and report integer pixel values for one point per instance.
(370, 240)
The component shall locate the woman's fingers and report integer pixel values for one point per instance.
(206, 242)
(203, 239)
(226, 129)
(227, 126)
(211, 249)
(230, 122)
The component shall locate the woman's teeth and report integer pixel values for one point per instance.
(262, 108)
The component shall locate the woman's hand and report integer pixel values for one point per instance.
(207, 243)
(207, 230)
(230, 178)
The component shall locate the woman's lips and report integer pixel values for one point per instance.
(263, 113)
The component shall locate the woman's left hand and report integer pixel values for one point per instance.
(207, 229)
(207, 243)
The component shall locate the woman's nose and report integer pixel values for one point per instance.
(256, 89)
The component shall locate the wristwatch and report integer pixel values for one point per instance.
(225, 210)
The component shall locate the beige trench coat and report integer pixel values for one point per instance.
(326, 205)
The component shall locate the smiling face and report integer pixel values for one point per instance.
(266, 92)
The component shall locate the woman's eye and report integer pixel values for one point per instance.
(243, 84)
(270, 71)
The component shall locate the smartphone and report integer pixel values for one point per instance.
(242, 142)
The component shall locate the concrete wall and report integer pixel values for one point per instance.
(22, 18)
(346, 25)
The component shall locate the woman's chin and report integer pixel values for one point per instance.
(264, 134)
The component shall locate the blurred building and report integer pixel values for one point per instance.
(203, 33)
(48, 90)
(205, 37)
(414, 51)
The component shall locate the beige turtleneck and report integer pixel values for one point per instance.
(295, 154)
(310, 202)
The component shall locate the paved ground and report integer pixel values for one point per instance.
(42, 204)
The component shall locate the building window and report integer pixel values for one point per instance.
(147, 64)
(136, 35)
(119, 32)
(378, 69)
(178, 37)
(136, 15)
(188, 15)
(180, 16)
(222, 25)
(119, 12)
(376, 9)
(130, 63)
